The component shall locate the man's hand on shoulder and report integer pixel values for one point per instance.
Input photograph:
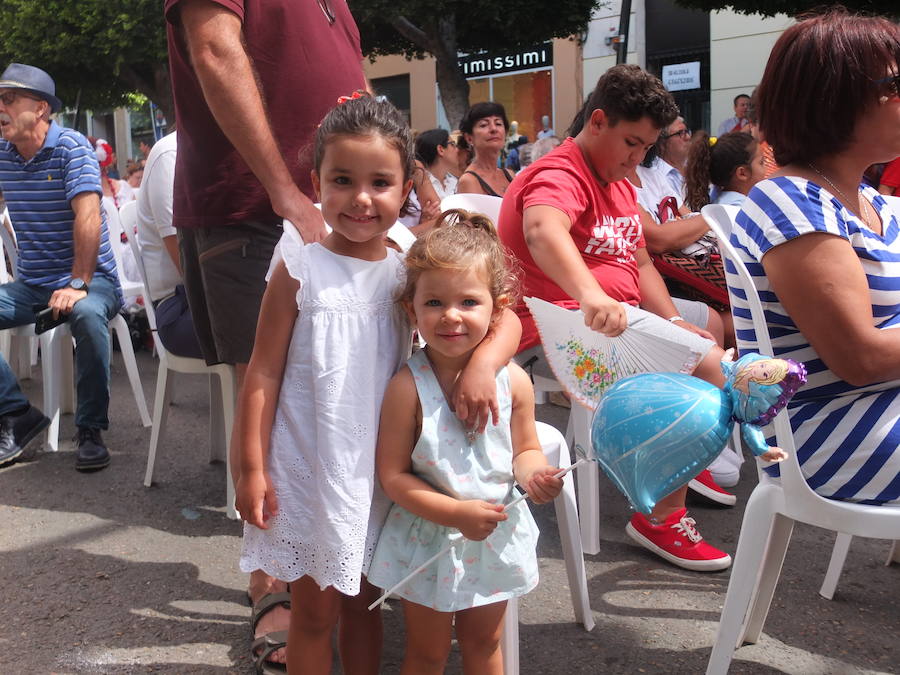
(302, 214)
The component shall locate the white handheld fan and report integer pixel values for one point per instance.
(586, 363)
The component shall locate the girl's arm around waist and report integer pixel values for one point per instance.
(397, 435)
(529, 464)
(259, 396)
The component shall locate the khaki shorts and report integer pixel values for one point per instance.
(225, 278)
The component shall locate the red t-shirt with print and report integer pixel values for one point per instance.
(606, 228)
(891, 175)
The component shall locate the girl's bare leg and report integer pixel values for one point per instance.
(314, 613)
(428, 634)
(360, 632)
(478, 631)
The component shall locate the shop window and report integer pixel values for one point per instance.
(396, 90)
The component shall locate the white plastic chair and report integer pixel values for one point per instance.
(483, 204)
(557, 453)
(221, 398)
(775, 505)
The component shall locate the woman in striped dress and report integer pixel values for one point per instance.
(825, 250)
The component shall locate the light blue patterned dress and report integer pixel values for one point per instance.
(472, 573)
(847, 437)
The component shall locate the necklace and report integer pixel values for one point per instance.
(865, 202)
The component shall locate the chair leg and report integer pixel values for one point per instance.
(836, 566)
(52, 355)
(127, 350)
(509, 640)
(782, 528)
(570, 537)
(160, 415)
(742, 586)
(894, 555)
(588, 476)
(557, 453)
(227, 381)
(218, 449)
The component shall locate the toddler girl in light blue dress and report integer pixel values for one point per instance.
(448, 485)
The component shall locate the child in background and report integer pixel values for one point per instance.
(732, 164)
(330, 337)
(447, 485)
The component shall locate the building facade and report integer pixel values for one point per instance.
(705, 58)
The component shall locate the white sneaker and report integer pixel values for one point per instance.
(726, 468)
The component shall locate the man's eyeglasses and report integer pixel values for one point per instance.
(327, 11)
(893, 82)
(684, 133)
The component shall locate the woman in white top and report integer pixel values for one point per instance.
(438, 152)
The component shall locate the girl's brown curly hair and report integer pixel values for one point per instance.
(461, 240)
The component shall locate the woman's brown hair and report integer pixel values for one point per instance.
(822, 75)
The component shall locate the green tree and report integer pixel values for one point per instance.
(97, 51)
(793, 7)
(443, 28)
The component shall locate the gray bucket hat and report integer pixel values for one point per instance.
(31, 79)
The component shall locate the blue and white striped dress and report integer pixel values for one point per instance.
(847, 437)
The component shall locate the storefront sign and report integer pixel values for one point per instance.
(680, 76)
(486, 63)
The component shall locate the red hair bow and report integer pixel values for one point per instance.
(354, 95)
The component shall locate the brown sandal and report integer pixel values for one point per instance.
(264, 645)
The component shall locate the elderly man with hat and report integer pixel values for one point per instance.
(51, 181)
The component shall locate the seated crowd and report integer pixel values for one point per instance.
(605, 218)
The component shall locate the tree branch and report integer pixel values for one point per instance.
(411, 32)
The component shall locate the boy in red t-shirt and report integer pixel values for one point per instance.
(572, 221)
(890, 179)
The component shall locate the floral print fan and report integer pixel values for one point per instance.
(587, 363)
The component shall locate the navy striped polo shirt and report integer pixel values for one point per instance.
(38, 194)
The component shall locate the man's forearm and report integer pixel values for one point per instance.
(230, 88)
(85, 235)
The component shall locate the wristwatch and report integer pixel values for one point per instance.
(78, 285)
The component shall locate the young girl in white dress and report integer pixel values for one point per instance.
(329, 338)
(449, 485)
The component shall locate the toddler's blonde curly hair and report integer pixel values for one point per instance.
(461, 240)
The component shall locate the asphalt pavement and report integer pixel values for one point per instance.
(103, 575)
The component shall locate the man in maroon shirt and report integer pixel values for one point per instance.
(252, 80)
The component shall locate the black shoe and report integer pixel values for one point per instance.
(92, 454)
(18, 431)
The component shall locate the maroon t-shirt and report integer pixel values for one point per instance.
(303, 63)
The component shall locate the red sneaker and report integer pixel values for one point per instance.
(677, 541)
(704, 485)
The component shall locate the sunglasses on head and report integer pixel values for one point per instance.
(893, 82)
(9, 97)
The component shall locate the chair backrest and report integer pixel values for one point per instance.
(127, 219)
(483, 204)
(9, 245)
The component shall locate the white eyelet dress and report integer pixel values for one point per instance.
(349, 339)
(472, 573)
